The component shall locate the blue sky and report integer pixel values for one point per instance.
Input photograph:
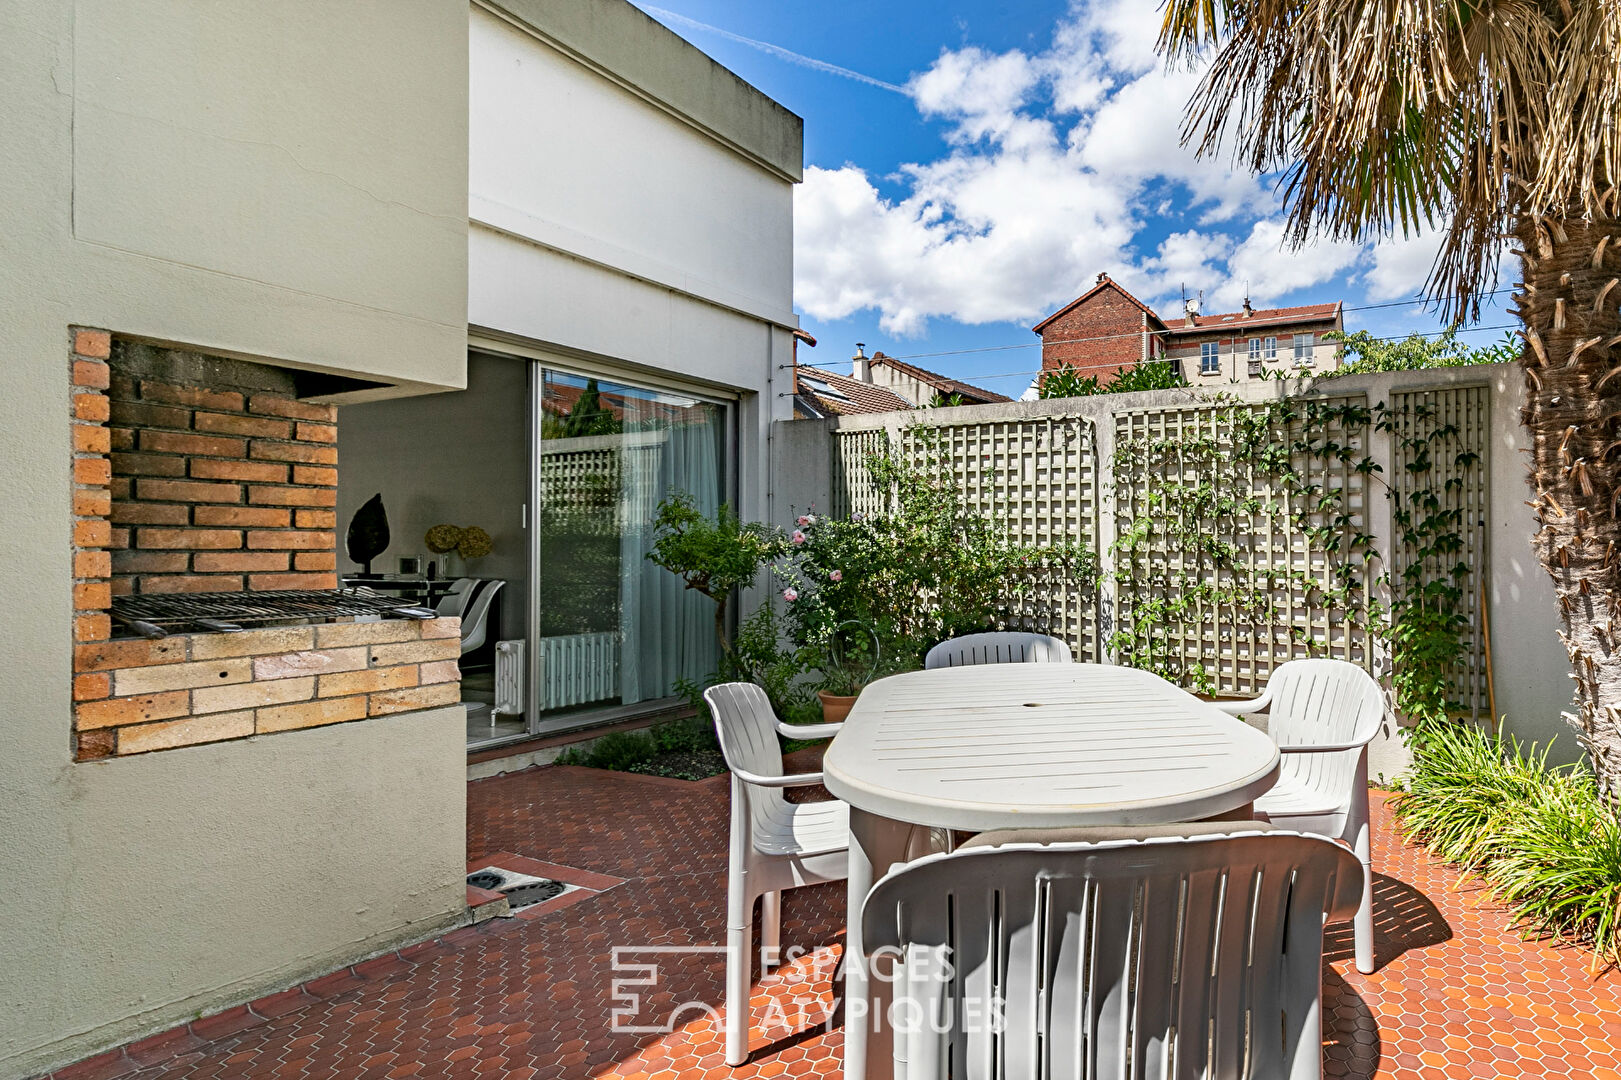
(1012, 152)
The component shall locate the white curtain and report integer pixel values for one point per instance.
(668, 630)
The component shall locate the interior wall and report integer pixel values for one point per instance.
(460, 458)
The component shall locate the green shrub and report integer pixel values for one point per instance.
(1543, 838)
(690, 733)
(1559, 865)
(617, 750)
(1464, 785)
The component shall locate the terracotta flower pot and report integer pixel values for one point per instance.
(835, 707)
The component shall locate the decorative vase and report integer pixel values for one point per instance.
(835, 707)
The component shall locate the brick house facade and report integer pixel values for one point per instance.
(1100, 332)
(1106, 330)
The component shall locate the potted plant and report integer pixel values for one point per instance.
(851, 658)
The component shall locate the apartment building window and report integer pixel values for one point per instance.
(1210, 358)
(1255, 356)
(1303, 350)
(1271, 348)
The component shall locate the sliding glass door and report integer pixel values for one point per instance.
(614, 633)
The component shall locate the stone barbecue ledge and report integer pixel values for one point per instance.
(135, 695)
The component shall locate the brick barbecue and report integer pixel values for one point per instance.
(200, 474)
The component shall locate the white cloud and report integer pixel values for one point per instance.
(981, 91)
(1270, 269)
(1052, 163)
(1401, 266)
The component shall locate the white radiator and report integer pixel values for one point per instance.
(509, 678)
(577, 669)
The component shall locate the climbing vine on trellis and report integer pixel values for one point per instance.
(1243, 538)
(1428, 620)
(1234, 521)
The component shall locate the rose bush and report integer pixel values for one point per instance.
(922, 569)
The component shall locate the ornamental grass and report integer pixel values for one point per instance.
(1542, 837)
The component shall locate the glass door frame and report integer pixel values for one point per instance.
(538, 361)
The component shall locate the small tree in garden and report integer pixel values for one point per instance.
(714, 556)
(1068, 382)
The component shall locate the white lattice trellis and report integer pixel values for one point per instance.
(1178, 474)
(1037, 478)
(1451, 428)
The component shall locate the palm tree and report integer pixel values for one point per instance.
(1497, 122)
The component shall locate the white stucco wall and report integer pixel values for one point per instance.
(1235, 357)
(613, 226)
(282, 182)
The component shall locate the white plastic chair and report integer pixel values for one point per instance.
(1323, 714)
(775, 844)
(1168, 957)
(1001, 647)
(476, 616)
(454, 602)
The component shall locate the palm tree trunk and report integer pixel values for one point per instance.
(1572, 364)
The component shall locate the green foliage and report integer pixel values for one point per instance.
(1068, 382)
(1202, 499)
(684, 735)
(713, 556)
(1464, 787)
(1264, 468)
(617, 750)
(943, 400)
(589, 416)
(1542, 837)
(684, 748)
(1429, 601)
(1361, 352)
(924, 568)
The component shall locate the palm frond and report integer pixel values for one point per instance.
(1409, 115)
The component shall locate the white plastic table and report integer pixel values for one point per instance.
(1020, 746)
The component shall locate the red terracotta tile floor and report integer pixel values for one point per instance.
(1458, 993)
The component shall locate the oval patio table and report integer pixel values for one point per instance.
(1020, 746)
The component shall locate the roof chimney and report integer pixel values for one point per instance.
(1248, 311)
(860, 368)
(1102, 277)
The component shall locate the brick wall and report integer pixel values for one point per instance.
(1113, 326)
(219, 489)
(218, 481)
(134, 696)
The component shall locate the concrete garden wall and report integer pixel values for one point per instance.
(1529, 663)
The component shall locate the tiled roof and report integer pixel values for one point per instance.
(1106, 283)
(560, 398)
(973, 394)
(833, 394)
(1204, 324)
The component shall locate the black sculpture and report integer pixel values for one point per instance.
(368, 533)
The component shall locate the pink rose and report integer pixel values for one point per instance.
(798, 537)
(790, 595)
(837, 575)
(804, 519)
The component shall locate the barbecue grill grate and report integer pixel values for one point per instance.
(172, 609)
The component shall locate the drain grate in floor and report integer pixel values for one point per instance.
(521, 890)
